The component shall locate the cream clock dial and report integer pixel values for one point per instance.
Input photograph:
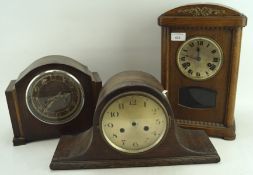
(199, 58)
(134, 122)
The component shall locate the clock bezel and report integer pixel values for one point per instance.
(215, 43)
(146, 149)
(66, 119)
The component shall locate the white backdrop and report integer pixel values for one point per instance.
(107, 36)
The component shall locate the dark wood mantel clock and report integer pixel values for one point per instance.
(133, 125)
(200, 60)
(55, 95)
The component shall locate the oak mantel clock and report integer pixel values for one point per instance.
(200, 60)
(133, 125)
(55, 95)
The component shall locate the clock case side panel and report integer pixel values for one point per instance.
(165, 68)
(234, 69)
(96, 88)
(14, 112)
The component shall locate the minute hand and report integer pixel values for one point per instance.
(198, 52)
(194, 58)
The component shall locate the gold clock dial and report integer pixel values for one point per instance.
(199, 58)
(134, 122)
(54, 97)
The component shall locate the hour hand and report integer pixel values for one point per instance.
(198, 57)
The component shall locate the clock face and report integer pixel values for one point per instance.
(199, 58)
(54, 97)
(134, 122)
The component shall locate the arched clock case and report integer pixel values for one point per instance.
(133, 126)
(55, 95)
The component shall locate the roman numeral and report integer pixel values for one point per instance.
(132, 102)
(215, 59)
(190, 71)
(121, 106)
(200, 43)
(211, 66)
(191, 44)
(186, 65)
(182, 58)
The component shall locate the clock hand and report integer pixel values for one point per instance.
(55, 98)
(194, 58)
(50, 101)
(198, 57)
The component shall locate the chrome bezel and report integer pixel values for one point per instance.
(45, 119)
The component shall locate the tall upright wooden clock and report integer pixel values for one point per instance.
(200, 61)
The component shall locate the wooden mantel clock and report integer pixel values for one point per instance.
(133, 125)
(55, 95)
(200, 60)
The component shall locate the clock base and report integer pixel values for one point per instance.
(212, 129)
(17, 141)
(99, 164)
(83, 151)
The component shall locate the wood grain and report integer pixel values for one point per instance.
(90, 150)
(26, 127)
(224, 25)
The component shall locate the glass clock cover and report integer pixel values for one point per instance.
(134, 122)
(54, 97)
(199, 58)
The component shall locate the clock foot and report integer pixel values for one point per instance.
(229, 138)
(227, 133)
(18, 141)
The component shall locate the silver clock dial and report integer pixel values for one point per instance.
(199, 58)
(54, 97)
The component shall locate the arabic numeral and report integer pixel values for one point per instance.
(109, 125)
(114, 114)
(135, 144)
(132, 102)
(121, 106)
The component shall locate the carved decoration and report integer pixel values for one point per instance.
(202, 11)
(190, 122)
